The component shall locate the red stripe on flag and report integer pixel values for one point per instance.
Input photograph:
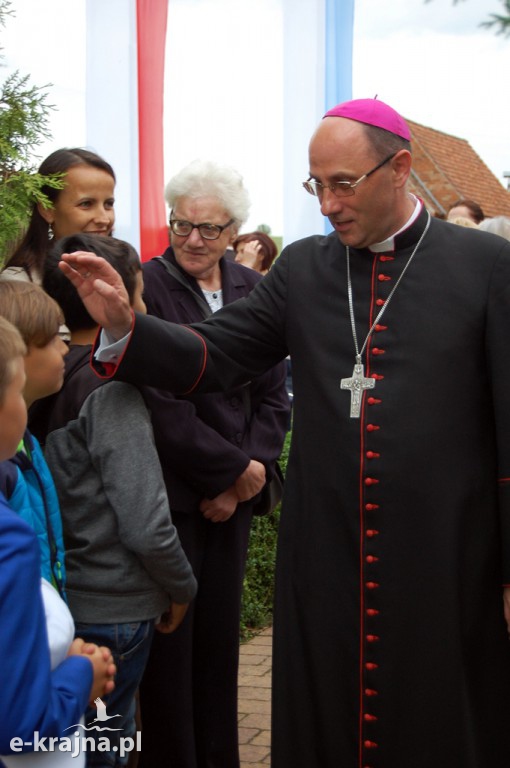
(151, 37)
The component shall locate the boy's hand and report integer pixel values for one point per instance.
(104, 669)
(171, 619)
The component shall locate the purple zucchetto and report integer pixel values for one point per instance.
(372, 112)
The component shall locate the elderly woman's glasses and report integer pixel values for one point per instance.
(342, 188)
(206, 231)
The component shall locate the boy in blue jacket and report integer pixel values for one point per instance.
(25, 479)
(35, 697)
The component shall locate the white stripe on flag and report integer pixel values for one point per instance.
(112, 103)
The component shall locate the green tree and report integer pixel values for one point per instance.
(24, 112)
(499, 22)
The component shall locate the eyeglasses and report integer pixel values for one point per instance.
(342, 188)
(206, 231)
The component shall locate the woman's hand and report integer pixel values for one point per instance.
(222, 507)
(251, 481)
(251, 255)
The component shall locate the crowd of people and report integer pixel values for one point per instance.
(141, 502)
(468, 213)
(126, 506)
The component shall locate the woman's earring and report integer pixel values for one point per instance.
(51, 234)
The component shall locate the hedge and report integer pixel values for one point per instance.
(258, 587)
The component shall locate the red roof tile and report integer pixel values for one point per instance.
(447, 168)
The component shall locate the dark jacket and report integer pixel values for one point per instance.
(206, 441)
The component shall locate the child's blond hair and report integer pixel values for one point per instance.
(12, 347)
(35, 314)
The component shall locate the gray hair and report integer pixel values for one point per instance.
(499, 225)
(204, 178)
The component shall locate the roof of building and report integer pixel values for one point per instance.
(446, 169)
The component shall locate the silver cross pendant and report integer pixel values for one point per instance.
(357, 384)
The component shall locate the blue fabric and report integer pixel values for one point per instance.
(338, 30)
(130, 645)
(338, 33)
(33, 698)
(28, 485)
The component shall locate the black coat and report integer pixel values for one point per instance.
(390, 646)
(205, 441)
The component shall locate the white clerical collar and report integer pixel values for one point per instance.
(389, 243)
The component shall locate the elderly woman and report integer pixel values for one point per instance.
(217, 450)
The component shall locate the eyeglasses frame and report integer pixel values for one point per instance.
(197, 226)
(350, 187)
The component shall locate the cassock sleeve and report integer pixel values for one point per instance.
(239, 342)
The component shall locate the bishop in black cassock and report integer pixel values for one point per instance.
(391, 648)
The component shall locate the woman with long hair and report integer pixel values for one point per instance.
(85, 203)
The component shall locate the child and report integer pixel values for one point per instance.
(25, 479)
(125, 564)
(34, 697)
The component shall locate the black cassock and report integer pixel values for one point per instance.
(390, 646)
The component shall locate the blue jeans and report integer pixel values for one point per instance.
(130, 645)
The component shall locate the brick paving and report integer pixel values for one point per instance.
(255, 701)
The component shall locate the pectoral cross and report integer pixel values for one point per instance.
(357, 384)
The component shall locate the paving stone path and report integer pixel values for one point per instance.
(255, 701)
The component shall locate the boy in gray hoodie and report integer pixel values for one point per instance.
(125, 564)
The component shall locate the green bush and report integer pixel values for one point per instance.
(258, 587)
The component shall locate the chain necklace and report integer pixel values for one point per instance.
(357, 383)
